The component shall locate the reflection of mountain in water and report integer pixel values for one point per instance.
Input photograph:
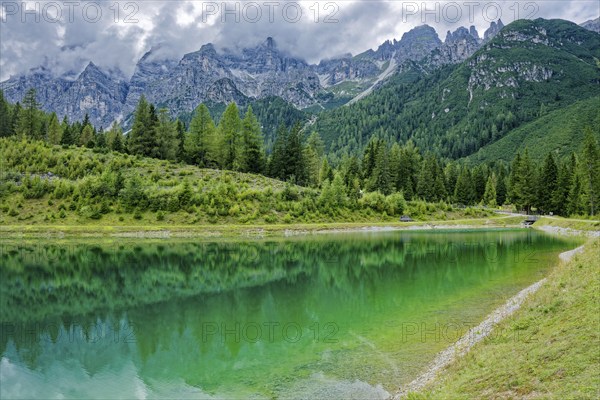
(75, 278)
(147, 318)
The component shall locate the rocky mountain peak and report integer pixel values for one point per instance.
(493, 30)
(592, 25)
(270, 44)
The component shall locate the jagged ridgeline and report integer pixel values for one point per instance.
(527, 71)
(219, 76)
(452, 98)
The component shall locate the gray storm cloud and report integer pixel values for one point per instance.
(116, 34)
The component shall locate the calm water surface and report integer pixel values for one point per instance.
(331, 315)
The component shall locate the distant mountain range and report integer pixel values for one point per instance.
(221, 76)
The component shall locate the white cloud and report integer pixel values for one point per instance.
(125, 30)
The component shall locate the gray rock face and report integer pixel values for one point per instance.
(592, 25)
(461, 44)
(226, 75)
(492, 30)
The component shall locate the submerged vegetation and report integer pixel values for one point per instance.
(548, 349)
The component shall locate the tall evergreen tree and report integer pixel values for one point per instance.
(14, 118)
(590, 168)
(313, 154)
(230, 134)
(489, 196)
(575, 203)
(200, 147)
(67, 135)
(427, 189)
(5, 117)
(142, 138)
(86, 138)
(114, 138)
(464, 193)
(294, 156)
(29, 120)
(252, 158)
(180, 127)
(166, 133)
(278, 157)
(54, 130)
(561, 194)
(547, 185)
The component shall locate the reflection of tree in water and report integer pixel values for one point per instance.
(160, 295)
(44, 279)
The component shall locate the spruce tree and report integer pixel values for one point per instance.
(294, 156)
(166, 133)
(590, 168)
(199, 143)
(180, 127)
(464, 193)
(67, 133)
(142, 137)
(230, 135)
(86, 138)
(114, 138)
(561, 194)
(278, 156)
(313, 154)
(29, 124)
(54, 130)
(489, 196)
(252, 159)
(5, 117)
(547, 185)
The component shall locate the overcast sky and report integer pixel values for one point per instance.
(114, 34)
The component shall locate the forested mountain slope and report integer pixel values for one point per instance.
(529, 69)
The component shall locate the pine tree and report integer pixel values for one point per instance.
(294, 156)
(199, 144)
(114, 138)
(14, 118)
(86, 138)
(547, 185)
(252, 159)
(5, 117)
(230, 135)
(561, 194)
(54, 130)
(313, 154)
(29, 123)
(590, 167)
(166, 133)
(479, 182)
(575, 203)
(381, 173)
(464, 192)
(67, 135)
(501, 190)
(142, 137)
(426, 186)
(489, 196)
(180, 127)
(522, 182)
(277, 160)
(325, 173)
(407, 170)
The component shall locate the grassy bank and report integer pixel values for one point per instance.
(550, 348)
(165, 230)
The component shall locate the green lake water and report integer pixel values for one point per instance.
(347, 315)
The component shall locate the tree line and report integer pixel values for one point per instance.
(568, 186)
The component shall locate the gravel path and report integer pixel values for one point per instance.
(475, 335)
